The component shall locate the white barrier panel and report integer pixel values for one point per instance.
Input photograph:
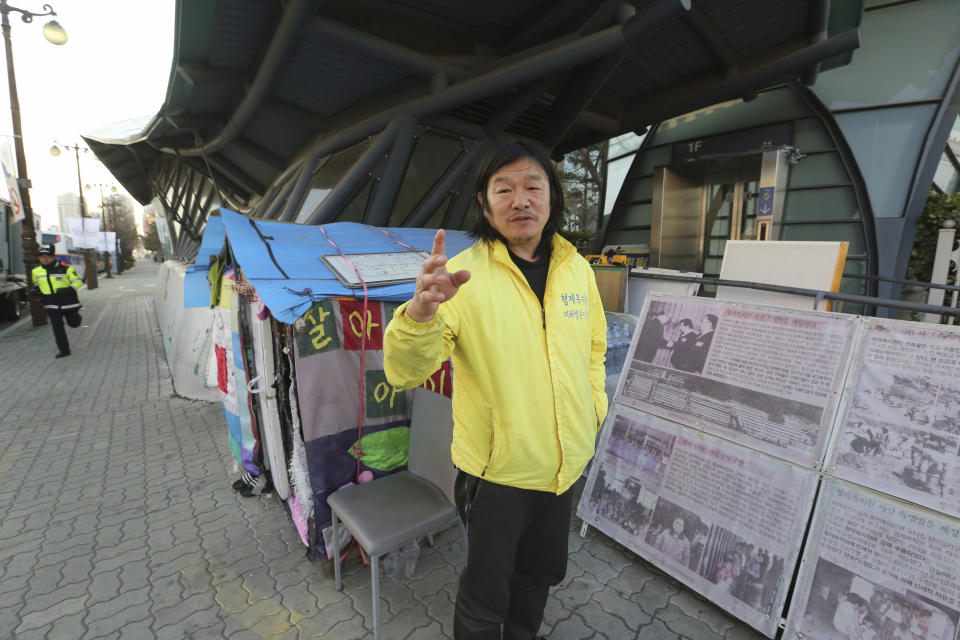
(186, 335)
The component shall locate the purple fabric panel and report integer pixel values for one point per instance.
(331, 466)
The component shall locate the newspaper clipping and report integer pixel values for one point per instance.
(900, 418)
(720, 518)
(878, 569)
(766, 377)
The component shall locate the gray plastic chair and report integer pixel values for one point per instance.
(391, 511)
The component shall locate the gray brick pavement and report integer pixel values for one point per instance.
(117, 519)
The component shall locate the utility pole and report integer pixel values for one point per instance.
(103, 213)
(54, 34)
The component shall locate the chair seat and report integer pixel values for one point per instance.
(390, 511)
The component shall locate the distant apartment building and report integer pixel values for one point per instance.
(68, 206)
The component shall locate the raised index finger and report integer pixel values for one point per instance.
(438, 243)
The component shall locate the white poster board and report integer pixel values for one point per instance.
(765, 377)
(722, 519)
(806, 265)
(899, 423)
(107, 241)
(875, 567)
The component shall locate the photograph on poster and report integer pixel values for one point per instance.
(897, 459)
(677, 533)
(786, 425)
(843, 605)
(767, 377)
(637, 449)
(946, 416)
(676, 336)
(621, 503)
(736, 566)
(747, 572)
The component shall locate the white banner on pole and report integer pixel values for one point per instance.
(85, 232)
(10, 175)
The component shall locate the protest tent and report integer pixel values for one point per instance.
(293, 342)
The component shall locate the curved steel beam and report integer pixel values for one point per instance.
(295, 14)
(756, 73)
(546, 61)
(360, 171)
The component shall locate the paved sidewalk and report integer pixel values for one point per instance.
(117, 519)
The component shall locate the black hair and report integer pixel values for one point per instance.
(499, 156)
(713, 320)
(686, 322)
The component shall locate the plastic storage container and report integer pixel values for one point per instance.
(620, 329)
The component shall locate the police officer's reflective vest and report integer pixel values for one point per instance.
(55, 280)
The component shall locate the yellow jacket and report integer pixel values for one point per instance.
(58, 284)
(528, 383)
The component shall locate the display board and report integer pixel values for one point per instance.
(875, 567)
(806, 265)
(765, 377)
(722, 519)
(899, 426)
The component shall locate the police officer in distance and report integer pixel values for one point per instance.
(58, 284)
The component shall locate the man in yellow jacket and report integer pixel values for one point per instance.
(520, 317)
(58, 284)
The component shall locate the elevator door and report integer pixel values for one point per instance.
(729, 212)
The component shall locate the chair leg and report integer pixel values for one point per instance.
(375, 581)
(431, 540)
(336, 551)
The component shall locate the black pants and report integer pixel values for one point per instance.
(56, 323)
(517, 551)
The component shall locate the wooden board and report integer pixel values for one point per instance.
(807, 265)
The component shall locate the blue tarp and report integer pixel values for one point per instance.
(282, 260)
(196, 288)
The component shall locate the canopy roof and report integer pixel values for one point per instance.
(255, 86)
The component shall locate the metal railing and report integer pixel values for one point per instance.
(818, 296)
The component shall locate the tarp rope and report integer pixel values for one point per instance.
(425, 254)
(363, 346)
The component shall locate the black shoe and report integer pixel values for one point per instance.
(260, 485)
(243, 481)
(62, 355)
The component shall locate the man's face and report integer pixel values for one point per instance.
(45, 259)
(518, 195)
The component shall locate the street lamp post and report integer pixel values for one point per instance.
(89, 264)
(55, 34)
(113, 223)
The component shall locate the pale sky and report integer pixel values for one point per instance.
(114, 66)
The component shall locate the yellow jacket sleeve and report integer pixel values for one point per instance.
(598, 339)
(74, 278)
(413, 351)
